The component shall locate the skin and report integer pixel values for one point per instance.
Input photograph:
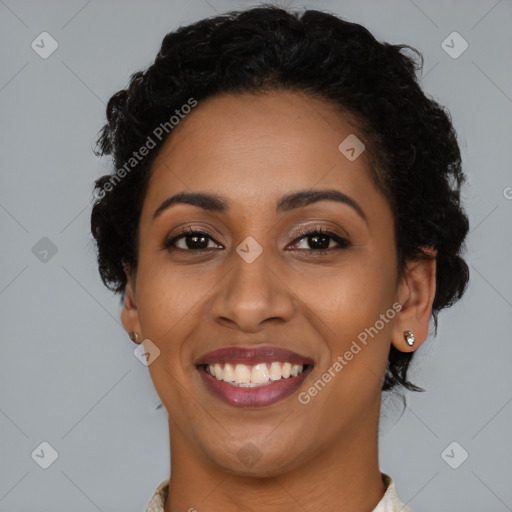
(252, 150)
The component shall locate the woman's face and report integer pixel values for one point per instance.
(252, 281)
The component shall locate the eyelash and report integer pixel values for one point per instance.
(303, 233)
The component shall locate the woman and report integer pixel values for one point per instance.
(283, 221)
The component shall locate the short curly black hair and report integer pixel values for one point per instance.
(409, 137)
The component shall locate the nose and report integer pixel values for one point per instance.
(254, 294)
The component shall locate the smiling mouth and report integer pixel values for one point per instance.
(251, 376)
(253, 386)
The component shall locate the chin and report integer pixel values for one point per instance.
(247, 458)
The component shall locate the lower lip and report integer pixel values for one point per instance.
(253, 397)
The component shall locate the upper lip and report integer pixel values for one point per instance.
(252, 355)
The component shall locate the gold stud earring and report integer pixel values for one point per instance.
(134, 337)
(409, 338)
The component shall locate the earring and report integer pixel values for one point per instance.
(133, 336)
(409, 338)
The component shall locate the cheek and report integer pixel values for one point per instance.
(350, 297)
(355, 306)
(171, 311)
(166, 313)
(166, 296)
(359, 315)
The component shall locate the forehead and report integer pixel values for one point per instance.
(257, 147)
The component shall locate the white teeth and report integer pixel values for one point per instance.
(229, 373)
(218, 371)
(242, 374)
(296, 369)
(275, 371)
(259, 375)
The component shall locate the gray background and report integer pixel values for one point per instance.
(68, 375)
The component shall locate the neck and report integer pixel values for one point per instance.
(343, 477)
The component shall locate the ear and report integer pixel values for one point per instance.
(416, 292)
(130, 313)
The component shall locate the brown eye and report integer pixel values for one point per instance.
(319, 240)
(190, 240)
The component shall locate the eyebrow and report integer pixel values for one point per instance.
(300, 199)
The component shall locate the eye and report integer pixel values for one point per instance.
(320, 240)
(197, 240)
(190, 240)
